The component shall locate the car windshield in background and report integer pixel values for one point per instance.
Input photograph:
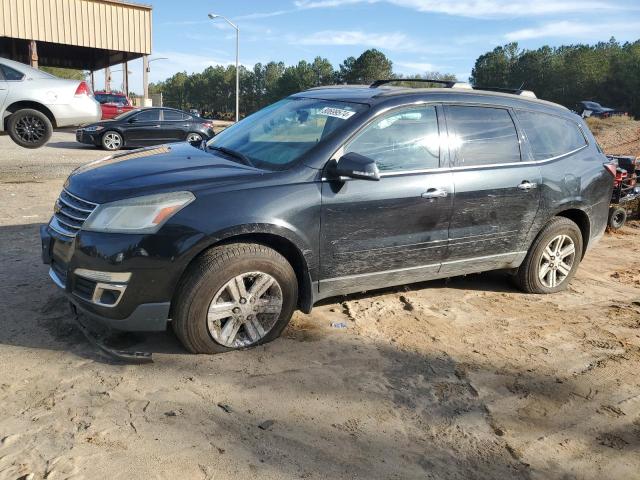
(110, 98)
(592, 105)
(277, 136)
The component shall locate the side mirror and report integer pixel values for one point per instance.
(354, 165)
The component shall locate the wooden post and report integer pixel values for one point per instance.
(33, 54)
(93, 81)
(107, 79)
(125, 78)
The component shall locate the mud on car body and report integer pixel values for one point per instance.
(327, 192)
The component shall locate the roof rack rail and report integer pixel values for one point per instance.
(515, 91)
(446, 83)
(455, 84)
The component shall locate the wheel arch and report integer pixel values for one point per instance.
(21, 104)
(580, 218)
(277, 241)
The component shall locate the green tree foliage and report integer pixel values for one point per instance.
(213, 90)
(607, 72)
(68, 73)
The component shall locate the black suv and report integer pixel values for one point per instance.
(327, 192)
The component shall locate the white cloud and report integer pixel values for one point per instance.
(390, 41)
(479, 8)
(573, 30)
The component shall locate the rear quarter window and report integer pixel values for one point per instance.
(10, 74)
(550, 136)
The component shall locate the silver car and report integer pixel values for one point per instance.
(33, 103)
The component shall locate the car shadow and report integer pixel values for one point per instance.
(71, 146)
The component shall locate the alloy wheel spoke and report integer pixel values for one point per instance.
(260, 285)
(268, 305)
(564, 269)
(566, 251)
(254, 329)
(236, 288)
(218, 311)
(230, 330)
(544, 270)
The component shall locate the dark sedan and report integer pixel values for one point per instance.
(146, 126)
(594, 109)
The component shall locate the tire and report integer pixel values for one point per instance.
(194, 137)
(617, 218)
(533, 275)
(201, 327)
(111, 140)
(29, 128)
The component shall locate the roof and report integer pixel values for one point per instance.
(374, 96)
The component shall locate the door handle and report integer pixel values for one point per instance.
(156, 126)
(527, 185)
(186, 125)
(435, 193)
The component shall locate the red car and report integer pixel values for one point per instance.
(112, 104)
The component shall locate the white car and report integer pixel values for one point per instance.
(33, 103)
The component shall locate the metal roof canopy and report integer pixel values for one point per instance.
(81, 34)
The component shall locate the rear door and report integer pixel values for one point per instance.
(144, 128)
(392, 231)
(497, 195)
(4, 90)
(174, 125)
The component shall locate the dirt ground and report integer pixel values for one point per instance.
(459, 379)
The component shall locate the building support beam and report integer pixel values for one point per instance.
(92, 78)
(33, 54)
(145, 79)
(125, 78)
(107, 79)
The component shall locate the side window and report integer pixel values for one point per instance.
(10, 74)
(402, 140)
(171, 115)
(550, 136)
(482, 136)
(148, 116)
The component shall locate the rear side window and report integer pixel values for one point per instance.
(11, 74)
(402, 140)
(550, 136)
(482, 136)
(170, 115)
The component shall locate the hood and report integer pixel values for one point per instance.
(173, 167)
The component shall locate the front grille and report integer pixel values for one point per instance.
(70, 212)
(84, 288)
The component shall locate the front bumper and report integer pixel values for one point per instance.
(88, 138)
(141, 303)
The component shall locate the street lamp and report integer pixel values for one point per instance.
(153, 60)
(213, 16)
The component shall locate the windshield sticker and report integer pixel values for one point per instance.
(336, 112)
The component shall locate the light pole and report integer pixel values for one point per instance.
(145, 74)
(213, 16)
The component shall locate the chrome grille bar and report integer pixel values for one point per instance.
(70, 213)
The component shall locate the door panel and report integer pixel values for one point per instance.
(383, 226)
(4, 91)
(145, 129)
(173, 126)
(496, 195)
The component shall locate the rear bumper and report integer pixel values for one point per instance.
(81, 110)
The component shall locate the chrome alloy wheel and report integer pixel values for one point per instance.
(557, 261)
(194, 137)
(30, 129)
(245, 309)
(112, 141)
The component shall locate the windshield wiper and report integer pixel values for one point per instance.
(232, 153)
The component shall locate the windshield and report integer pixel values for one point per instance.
(592, 105)
(278, 135)
(103, 98)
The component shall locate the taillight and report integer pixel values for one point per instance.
(207, 125)
(83, 89)
(611, 168)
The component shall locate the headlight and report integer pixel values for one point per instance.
(95, 128)
(137, 215)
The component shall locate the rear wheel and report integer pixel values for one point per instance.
(553, 258)
(111, 140)
(617, 218)
(234, 296)
(29, 128)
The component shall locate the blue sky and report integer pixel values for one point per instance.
(417, 35)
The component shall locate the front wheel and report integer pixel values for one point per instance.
(234, 296)
(29, 128)
(553, 258)
(194, 137)
(111, 140)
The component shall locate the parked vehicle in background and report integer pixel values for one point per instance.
(594, 109)
(194, 112)
(328, 192)
(113, 104)
(625, 189)
(142, 127)
(33, 103)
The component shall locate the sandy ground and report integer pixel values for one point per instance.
(459, 379)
